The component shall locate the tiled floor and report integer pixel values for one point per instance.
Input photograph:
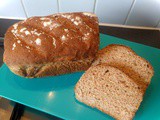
(6, 107)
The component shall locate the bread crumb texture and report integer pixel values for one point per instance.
(109, 90)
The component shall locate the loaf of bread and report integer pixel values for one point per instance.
(109, 90)
(125, 59)
(52, 45)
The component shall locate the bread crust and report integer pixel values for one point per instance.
(40, 41)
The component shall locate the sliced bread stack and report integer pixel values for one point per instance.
(116, 82)
(125, 59)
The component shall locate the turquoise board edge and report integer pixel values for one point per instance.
(152, 95)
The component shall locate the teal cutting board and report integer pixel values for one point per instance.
(55, 95)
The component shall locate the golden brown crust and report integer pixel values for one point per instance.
(50, 39)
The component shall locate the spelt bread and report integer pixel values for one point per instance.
(125, 59)
(109, 90)
(52, 45)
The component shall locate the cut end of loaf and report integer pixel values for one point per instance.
(109, 90)
(51, 69)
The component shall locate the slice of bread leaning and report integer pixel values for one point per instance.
(109, 90)
(125, 59)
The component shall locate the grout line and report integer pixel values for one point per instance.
(94, 7)
(158, 23)
(24, 9)
(58, 5)
(14, 18)
(131, 8)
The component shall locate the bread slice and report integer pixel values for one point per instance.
(109, 90)
(125, 59)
